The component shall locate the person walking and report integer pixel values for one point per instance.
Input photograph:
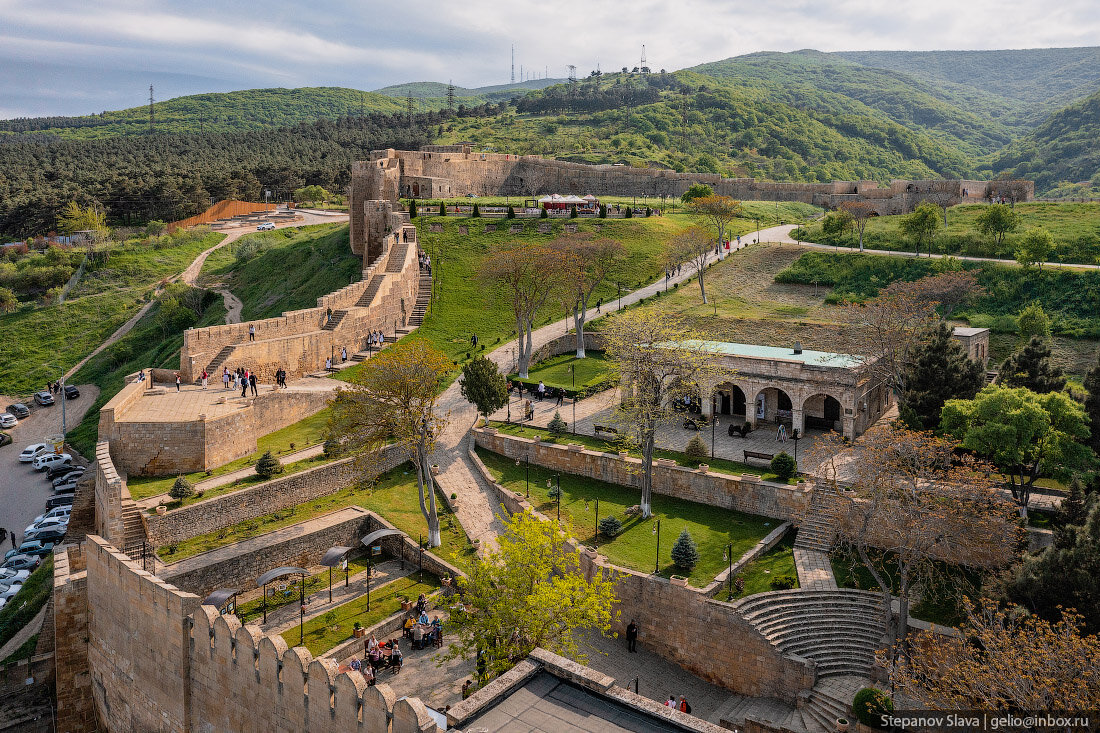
(178, 380)
(632, 637)
(343, 354)
(684, 707)
(244, 384)
(561, 396)
(225, 377)
(541, 390)
(328, 363)
(252, 383)
(252, 332)
(205, 376)
(670, 702)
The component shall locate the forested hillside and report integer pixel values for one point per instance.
(435, 92)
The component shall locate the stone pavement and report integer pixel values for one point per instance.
(815, 572)
(426, 675)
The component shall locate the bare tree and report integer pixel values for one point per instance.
(718, 211)
(944, 194)
(860, 212)
(587, 263)
(691, 247)
(527, 275)
(911, 507)
(659, 358)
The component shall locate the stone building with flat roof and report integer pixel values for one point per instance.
(975, 342)
(797, 387)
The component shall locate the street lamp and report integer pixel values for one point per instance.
(727, 554)
(619, 287)
(795, 436)
(596, 536)
(526, 472)
(657, 562)
(573, 375)
(713, 420)
(556, 483)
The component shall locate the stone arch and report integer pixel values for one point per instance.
(772, 404)
(822, 411)
(731, 399)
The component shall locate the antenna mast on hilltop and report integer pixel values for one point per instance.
(151, 120)
(513, 63)
(450, 95)
(572, 72)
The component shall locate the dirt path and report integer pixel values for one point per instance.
(233, 305)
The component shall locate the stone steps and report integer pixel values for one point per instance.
(368, 294)
(830, 699)
(334, 320)
(397, 256)
(784, 627)
(219, 359)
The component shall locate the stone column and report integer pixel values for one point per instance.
(797, 420)
(849, 423)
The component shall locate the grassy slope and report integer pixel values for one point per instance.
(40, 343)
(636, 546)
(25, 604)
(292, 269)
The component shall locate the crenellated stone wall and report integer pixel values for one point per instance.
(158, 661)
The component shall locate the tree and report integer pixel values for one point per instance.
(939, 371)
(997, 220)
(587, 263)
(8, 301)
(75, 218)
(783, 465)
(691, 247)
(860, 213)
(511, 213)
(443, 209)
(921, 226)
(1023, 434)
(155, 228)
(912, 501)
(483, 386)
(836, 223)
(718, 211)
(1032, 322)
(557, 426)
(312, 194)
(944, 195)
(412, 208)
(1092, 402)
(696, 448)
(393, 402)
(475, 213)
(1031, 367)
(268, 466)
(526, 275)
(697, 190)
(1035, 248)
(181, 489)
(684, 552)
(660, 361)
(1000, 662)
(1065, 574)
(529, 593)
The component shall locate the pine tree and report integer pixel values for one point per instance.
(629, 213)
(557, 426)
(476, 213)
(268, 466)
(1074, 507)
(1031, 367)
(684, 553)
(603, 211)
(181, 489)
(412, 208)
(940, 371)
(573, 213)
(511, 213)
(696, 448)
(544, 214)
(783, 465)
(1092, 404)
(442, 208)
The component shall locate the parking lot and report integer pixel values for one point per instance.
(23, 491)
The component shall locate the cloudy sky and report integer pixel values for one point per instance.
(82, 56)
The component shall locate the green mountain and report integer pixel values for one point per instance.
(436, 91)
(1064, 148)
(248, 109)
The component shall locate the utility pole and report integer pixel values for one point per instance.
(513, 63)
(151, 120)
(450, 96)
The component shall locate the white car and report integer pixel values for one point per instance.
(7, 420)
(8, 575)
(266, 226)
(51, 523)
(49, 460)
(55, 513)
(11, 590)
(34, 450)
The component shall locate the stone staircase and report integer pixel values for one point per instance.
(816, 531)
(219, 359)
(831, 698)
(397, 256)
(368, 294)
(134, 529)
(423, 297)
(364, 355)
(334, 321)
(840, 630)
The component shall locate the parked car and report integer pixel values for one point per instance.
(67, 477)
(20, 410)
(4, 439)
(51, 460)
(34, 450)
(266, 226)
(71, 392)
(7, 575)
(7, 420)
(43, 398)
(51, 523)
(10, 591)
(55, 513)
(34, 548)
(21, 562)
(66, 486)
(61, 470)
(47, 534)
(60, 500)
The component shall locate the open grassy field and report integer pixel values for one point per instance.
(636, 546)
(1075, 227)
(285, 269)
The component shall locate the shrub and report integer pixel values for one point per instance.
(684, 553)
(330, 618)
(603, 211)
(476, 212)
(783, 465)
(629, 213)
(454, 496)
(331, 448)
(870, 704)
(442, 208)
(412, 208)
(268, 466)
(648, 212)
(557, 426)
(785, 582)
(573, 212)
(610, 526)
(544, 214)
(696, 448)
(181, 489)
(739, 585)
(511, 213)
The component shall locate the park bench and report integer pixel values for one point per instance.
(597, 429)
(758, 455)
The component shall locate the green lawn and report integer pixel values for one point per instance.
(941, 605)
(777, 562)
(287, 269)
(720, 465)
(636, 547)
(592, 373)
(392, 496)
(295, 437)
(322, 635)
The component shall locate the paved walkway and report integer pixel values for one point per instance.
(815, 572)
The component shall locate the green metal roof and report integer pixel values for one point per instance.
(753, 351)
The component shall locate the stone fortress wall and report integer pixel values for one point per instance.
(451, 171)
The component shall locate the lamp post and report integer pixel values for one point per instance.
(555, 483)
(619, 288)
(657, 561)
(302, 612)
(713, 420)
(369, 569)
(727, 554)
(573, 375)
(596, 536)
(795, 436)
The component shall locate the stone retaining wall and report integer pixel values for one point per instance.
(746, 494)
(256, 501)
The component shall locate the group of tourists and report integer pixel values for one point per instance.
(425, 263)
(243, 379)
(375, 339)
